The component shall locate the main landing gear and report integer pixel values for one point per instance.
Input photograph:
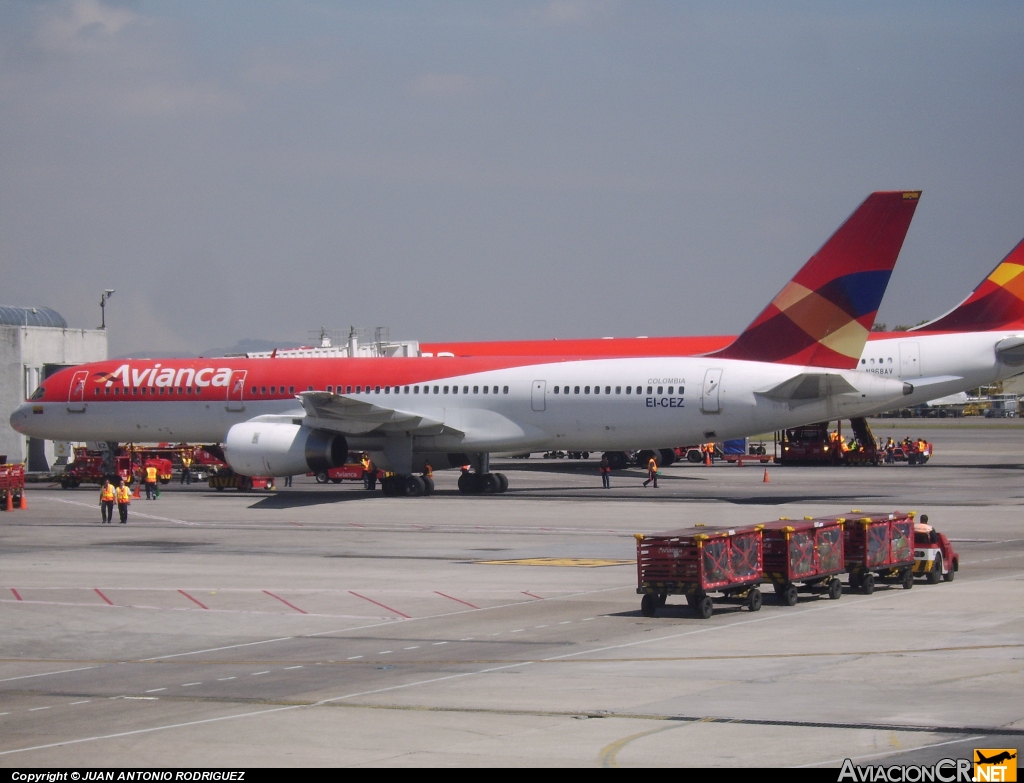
(406, 486)
(482, 483)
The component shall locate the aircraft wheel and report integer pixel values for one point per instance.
(936, 573)
(468, 484)
(617, 460)
(754, 599)
(835, 588)
(503, 481)
(322, 477)
(704, 608)
(428, 485)
(586, 455)
(414, 486)
(647, 605)
(490, 483)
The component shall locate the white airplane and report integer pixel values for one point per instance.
(793, 365)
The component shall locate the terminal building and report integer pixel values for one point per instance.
(35, 342)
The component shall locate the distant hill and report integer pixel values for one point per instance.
(241, 347)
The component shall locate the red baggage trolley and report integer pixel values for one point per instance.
(808, 553)
(879, 547)
(697, 561)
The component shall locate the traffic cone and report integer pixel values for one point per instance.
(766, 480)
(23, 505)
(135, 491)
(707, 458)
(10, 501)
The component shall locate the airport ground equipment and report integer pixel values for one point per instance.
(225, 477)
(934, 556)
(804, 554)
(12, 484)
(736, 452)
(696, 562)
(812, 444)
(879, 547)
(350, 471)
(94, 467)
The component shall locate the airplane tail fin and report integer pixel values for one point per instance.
(997, 303)
(823, 315)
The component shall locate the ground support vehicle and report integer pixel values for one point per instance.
(94, 467)
(12, 484)
(698, 561)
(737, 452)
(804, 554)
(351, 471)
(934, 556)
(879, 547)
(225, 477)
(813, 444)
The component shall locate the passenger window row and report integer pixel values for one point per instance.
(618, 390)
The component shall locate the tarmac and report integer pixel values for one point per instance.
(323, 626)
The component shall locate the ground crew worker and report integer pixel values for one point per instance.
(652, 472)
(151, 476)
(107, 497)
(186, 469)
(606, 473)
(371, 473)
(124, 499)
(366, 471)
(428, 471)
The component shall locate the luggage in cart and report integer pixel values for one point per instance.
(12, 484)
(879, 547)
(804, 554)
(698, 561)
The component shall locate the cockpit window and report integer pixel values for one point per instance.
(38, 394)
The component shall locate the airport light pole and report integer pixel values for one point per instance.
(107, 293)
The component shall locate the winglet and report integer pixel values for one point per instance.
(997, 302)
(823, 315)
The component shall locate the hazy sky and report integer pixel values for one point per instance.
(487, 170)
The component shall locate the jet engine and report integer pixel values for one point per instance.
(255, 448)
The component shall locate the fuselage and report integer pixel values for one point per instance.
(479, 404)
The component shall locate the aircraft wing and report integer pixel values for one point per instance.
(357, 417)
(808, 387)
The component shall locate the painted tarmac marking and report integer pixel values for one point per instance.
(155, 690)
(378, 603)
(279, 598)
(565, 622)
(437, 643)
(888, 753)
(385, 652)
(4, 713)
(134, 513)
(36, 709)
(190, 684)
(412, 648)
(257, 674)
(17, 595)
(524, 592)
(518, 630)
(221, 679)
(453, 598)
(540, 626)
(100, 594)
(353, 524)
(286, 668)
(467, 639)
(84, 701)
(198, 603)
(354, 657)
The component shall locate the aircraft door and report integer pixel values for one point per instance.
(910, 360)
(236, 391)
(76, 394)
(540, 390)
(709, 402)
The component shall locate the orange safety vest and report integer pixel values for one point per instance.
(150, 475)
(652, 465)
(124, 495)
(107, 493)
(428, 471)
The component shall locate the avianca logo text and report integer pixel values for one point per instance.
(168, 376)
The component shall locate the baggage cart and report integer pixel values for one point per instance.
(12, 484)
(698, 561)
(804, 554)
(879, 547)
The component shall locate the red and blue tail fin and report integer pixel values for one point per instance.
(997, 303)
(823, 315)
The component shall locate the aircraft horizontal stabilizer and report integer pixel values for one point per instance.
(357, 417)
(808, 387)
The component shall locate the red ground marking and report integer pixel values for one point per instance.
(279, 598)
(355, 525)
(385, 606)
(453, 598)
(532, 595)
(297, 524)
(17, 595)
(418, 527)
(546, 528)
(100, 594)
(200, 604)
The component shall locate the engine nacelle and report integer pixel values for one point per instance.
(255, 448)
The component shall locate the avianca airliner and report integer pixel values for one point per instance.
(977, 343)
(795, 364)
